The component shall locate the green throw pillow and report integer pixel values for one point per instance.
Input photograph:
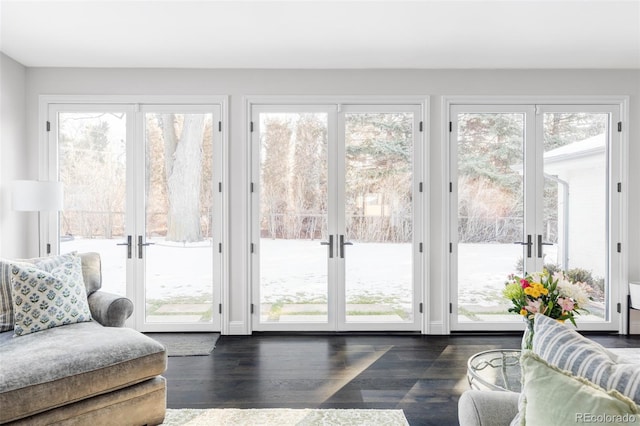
(556, 397)
(43, 300)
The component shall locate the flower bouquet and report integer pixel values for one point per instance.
(553, 295)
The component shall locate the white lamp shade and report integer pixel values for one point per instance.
(35, 196)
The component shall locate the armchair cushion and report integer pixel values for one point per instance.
(42, 371)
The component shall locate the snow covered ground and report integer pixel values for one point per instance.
(295, 270)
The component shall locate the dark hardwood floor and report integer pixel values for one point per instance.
(423, 375)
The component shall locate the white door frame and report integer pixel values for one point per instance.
(335, 105)
(140, 217)
(50, 105)
(417, 218)
(617, 106)
(254, 193)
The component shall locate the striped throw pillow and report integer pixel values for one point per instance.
(565, 348)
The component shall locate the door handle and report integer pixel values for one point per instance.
(540, 244)
(330, 244)
(142, 244)
(342, 244)
(529, 244)
(128, 244)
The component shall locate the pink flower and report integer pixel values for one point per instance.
(524, 283)
(566, 303)
(533, 306)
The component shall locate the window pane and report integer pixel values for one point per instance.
(179, 218)
(378, 217)
(490, 212)
(293, 217)
(92, 166)
(575, 202)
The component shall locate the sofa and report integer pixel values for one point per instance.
(566, 379)
(79, 372)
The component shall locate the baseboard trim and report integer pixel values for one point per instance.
(238, 328)
(436, 328)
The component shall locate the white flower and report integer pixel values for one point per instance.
(575, 291)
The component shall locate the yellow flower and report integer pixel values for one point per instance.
(523, 312)
(535, 290)
(532, 291)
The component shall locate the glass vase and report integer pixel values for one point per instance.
(527, 336)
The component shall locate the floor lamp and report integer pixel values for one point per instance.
(37, 196)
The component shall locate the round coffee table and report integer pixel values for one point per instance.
(496, 369)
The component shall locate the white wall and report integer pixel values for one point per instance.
(14, 226)
(240, 83)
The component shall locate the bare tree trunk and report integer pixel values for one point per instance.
(167, 123)
(184, 178)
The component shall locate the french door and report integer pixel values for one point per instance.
(337, 217)
(143, 189)
(533, 187)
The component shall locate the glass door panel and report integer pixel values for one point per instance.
(545, 172)
(574, 237)
(490, 213)
(293, 218)
(178, 244)
(92, 165)
(378, 217)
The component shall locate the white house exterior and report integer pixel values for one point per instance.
(580, 170)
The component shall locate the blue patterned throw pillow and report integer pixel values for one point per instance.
(43, 300)
(6, 300)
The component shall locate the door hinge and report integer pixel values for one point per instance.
(252, 248)
(420, 307)
(251, 127)
(220, 308)
(450, 308)
(450, 126)
(450, 247)
(421, 126)
(219, 126)
(619, 126)
(619, 247)
(252, 308)
(251, 187)
(420, 187)
(420, 247)
(48, 126)
(48, 248)
(619, 186)
(219, 247)
(219, 186)
(450, 186)
(619, 307)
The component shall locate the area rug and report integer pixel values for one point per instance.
(186, 344)
(284, 417)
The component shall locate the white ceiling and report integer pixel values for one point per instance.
(322, 34)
